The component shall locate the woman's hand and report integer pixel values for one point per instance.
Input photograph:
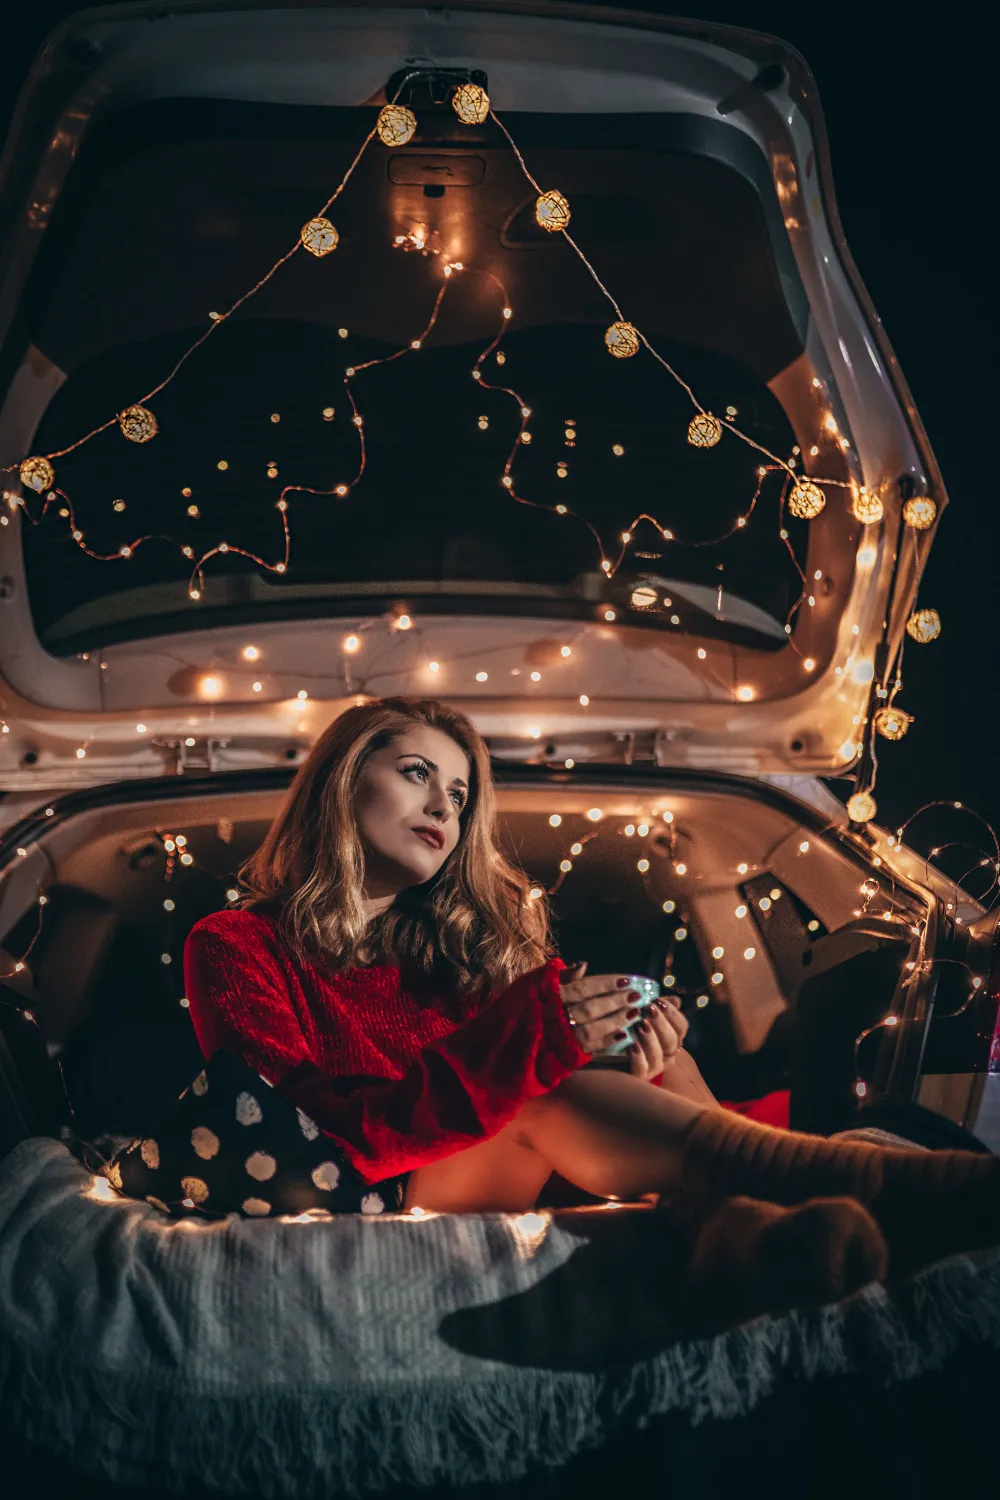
(602, 1006)
(659, 1037)
(598, 1008)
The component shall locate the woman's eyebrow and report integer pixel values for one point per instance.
(455, 780)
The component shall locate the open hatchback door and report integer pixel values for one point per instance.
(413, 463)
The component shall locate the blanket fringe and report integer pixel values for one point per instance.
(304, 1444)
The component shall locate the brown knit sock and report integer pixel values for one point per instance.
(927, 1203)
(737, 1258)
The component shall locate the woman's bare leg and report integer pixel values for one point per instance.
(606, 1132)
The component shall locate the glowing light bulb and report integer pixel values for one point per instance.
(741, 911)
(745, 694)
(718, 952)
(667, 817)
(351, 643)
(565, 651)
(210, 687)
(742, 868)
(250, 653)
(642, 866)
(749, 952)
(576, 848)
(594, 814)
(554, 820)
(681, 868)
(584, 700)
(403, 622)
(433, 666)
(669, 906)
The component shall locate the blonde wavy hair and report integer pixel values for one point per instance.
(472, 925)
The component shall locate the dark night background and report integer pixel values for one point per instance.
(905, 107)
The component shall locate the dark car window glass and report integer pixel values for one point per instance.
(176, 216)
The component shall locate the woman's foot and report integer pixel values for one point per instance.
(928, 1203)
(737, 1258)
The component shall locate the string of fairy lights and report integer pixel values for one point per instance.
(802, 496)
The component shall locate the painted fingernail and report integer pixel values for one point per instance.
(620, 983)
(620, 1036)
(645, 1026)
(634, 1047)
(633, 995)
(631, 1014)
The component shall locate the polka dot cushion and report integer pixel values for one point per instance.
(232, 1144)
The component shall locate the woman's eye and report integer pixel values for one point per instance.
(458, 796)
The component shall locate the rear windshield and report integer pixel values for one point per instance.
(173, 212)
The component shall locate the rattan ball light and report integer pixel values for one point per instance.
(867, 508)
(37, 474)
(892, 723)
(862, 807)
(471, 103)
(552, 211)
(704, 430)
(395, 125)
(138, 424)
(622, 340)
(919, 512)
(319, 237)
(806, 500)
(924, 625)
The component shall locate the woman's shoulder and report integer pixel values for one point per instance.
(240, 925)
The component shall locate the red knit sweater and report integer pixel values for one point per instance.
(398, 1077)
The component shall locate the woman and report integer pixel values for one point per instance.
(390, 976)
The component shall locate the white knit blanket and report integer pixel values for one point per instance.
(306, 1359)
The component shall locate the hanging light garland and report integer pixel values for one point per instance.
(395, 125)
